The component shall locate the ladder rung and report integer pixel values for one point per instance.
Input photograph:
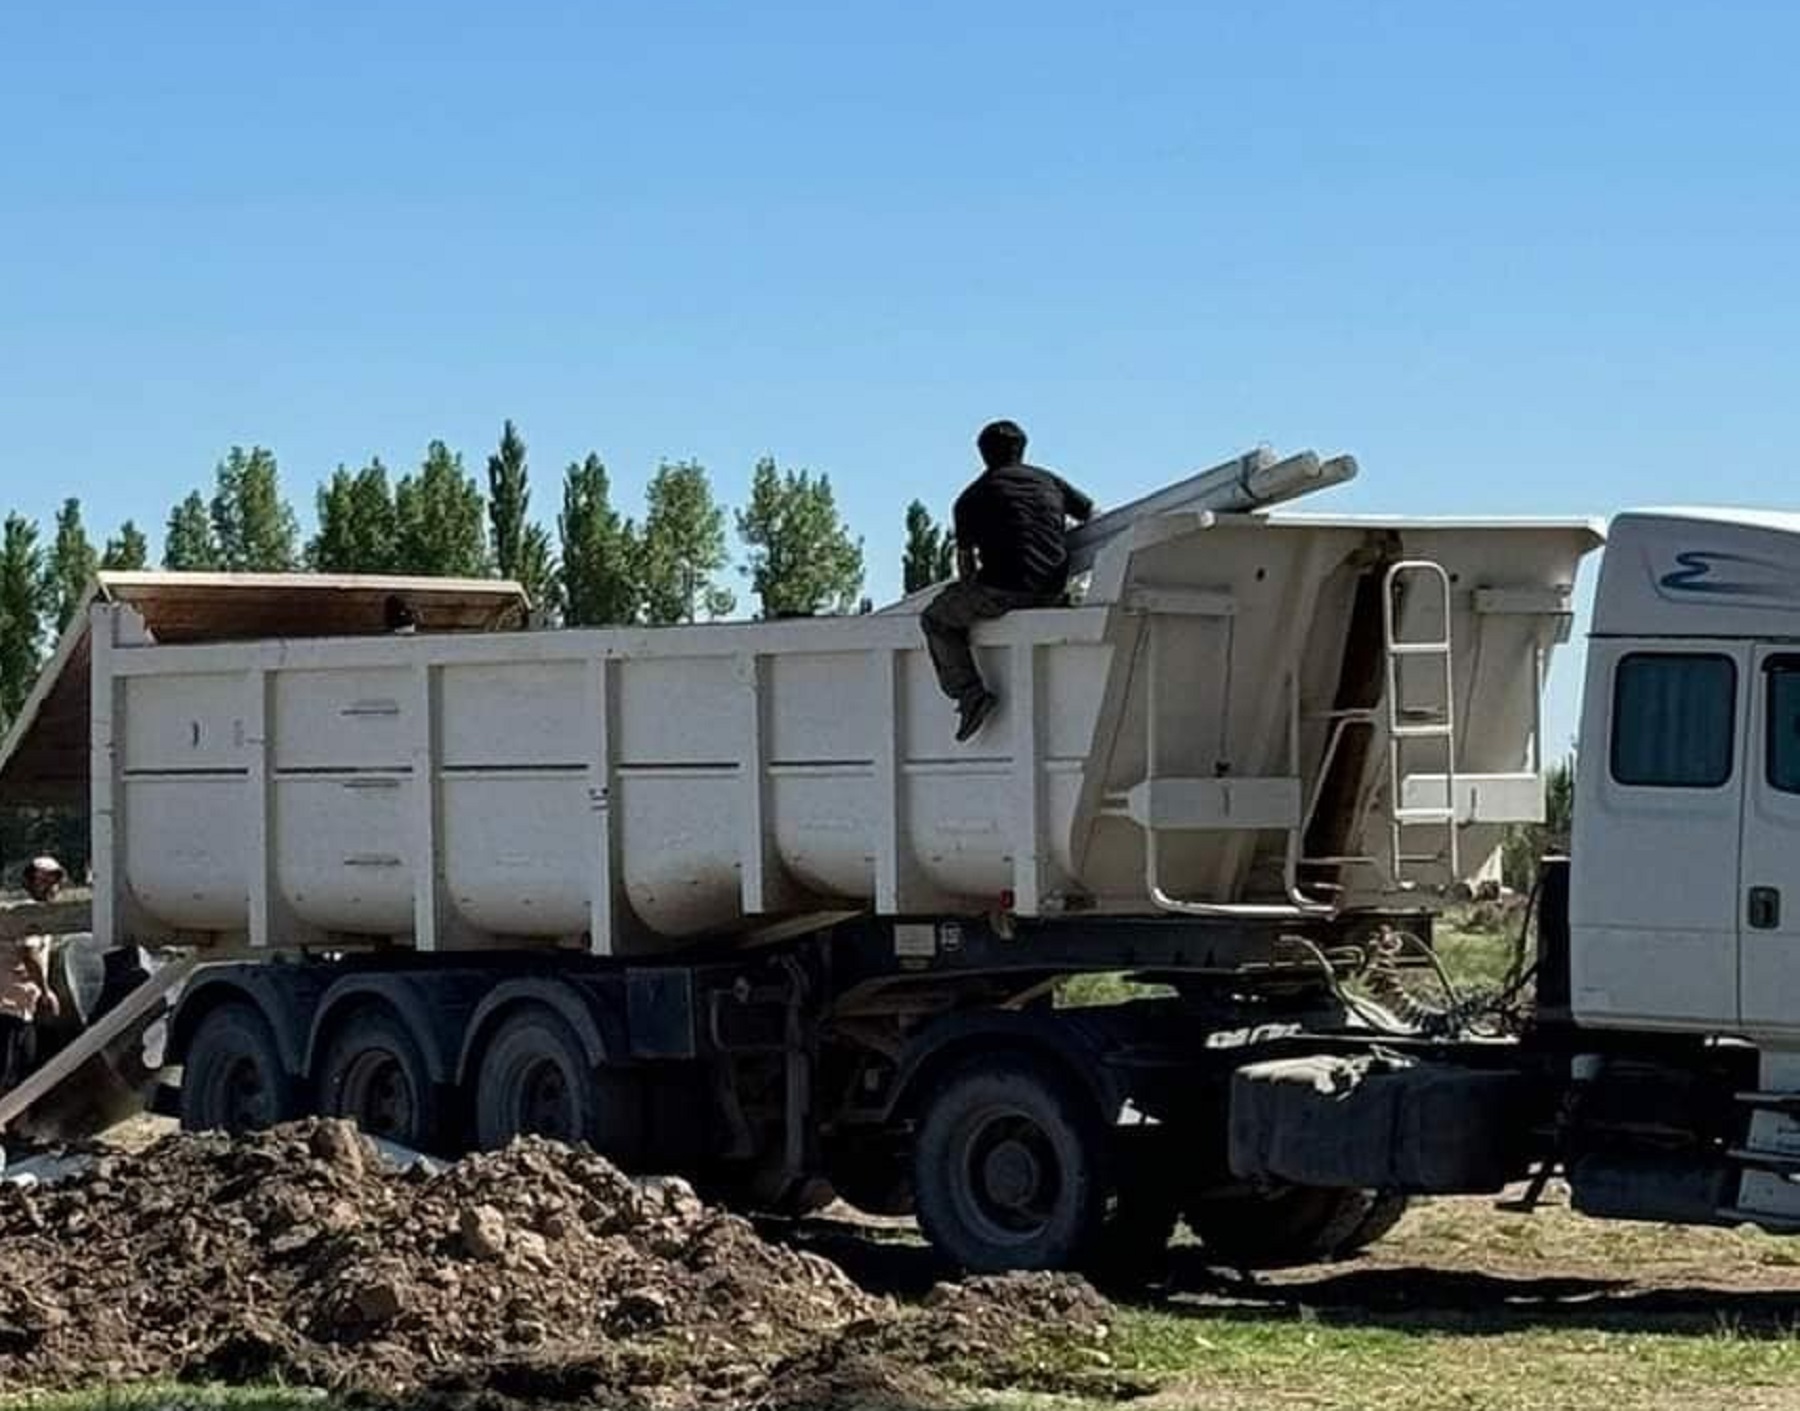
(1777, 1162)
(1418, 649)
(1421, 732)
(1774, 1224)
(1773, 1102)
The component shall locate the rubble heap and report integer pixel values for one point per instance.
(534, 1273)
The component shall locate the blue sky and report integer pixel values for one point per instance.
(1531, 258)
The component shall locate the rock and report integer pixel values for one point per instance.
(339, 1145)
(527, 1332)
(404, 1158)
(340, 1216)
(529, 1246)
(483, 1231)
(641, 1310)
(671, 1196)
(378, 1301)
(47, 1170)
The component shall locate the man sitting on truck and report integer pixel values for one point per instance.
(25, 990)
(1009, 527)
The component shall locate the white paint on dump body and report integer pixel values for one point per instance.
(629, 789)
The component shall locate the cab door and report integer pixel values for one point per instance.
(1769, 915)
(1654, 909)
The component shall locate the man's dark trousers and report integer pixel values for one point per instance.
(18, 1049)
(947, 620)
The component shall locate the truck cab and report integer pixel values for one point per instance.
(1685, 896)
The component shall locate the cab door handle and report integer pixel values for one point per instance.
(1765, 908)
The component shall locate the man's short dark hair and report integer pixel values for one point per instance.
(1001, 443)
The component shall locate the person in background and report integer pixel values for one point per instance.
(25, 991)
(1009, 525)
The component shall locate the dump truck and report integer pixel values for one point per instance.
(728, 900)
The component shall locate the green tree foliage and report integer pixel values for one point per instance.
(1526, 843)
(509, 501)
(358, 523)
(537, 571)
(128, 551)
(683, 547)
(254, 528)
(439, 516)
(22, 605)
(930, 555)
(802, 559)
(599, 551)
(71, 564)
(188, 543)
(521, 548)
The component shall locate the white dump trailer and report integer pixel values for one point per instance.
(729, 898)
(1209, 730)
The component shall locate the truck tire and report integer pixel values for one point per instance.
(1008, 1169)
(1133, 1248)
(1384, 1213)
(873, 1174)
(374, 1073)
(1290, 1227)
(535, 1079)
(232, 1078)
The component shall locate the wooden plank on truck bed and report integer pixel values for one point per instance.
(109, 1027)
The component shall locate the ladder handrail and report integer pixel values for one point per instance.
(1397, 648)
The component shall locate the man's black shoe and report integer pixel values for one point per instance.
(973, 714)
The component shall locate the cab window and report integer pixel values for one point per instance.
(1783, 711)
(1674, 718)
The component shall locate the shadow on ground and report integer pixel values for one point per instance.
(1359, 1294)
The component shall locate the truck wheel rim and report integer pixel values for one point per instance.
(545, 1105)
(378, 1096)
(1013, 1177)
(243, 1096)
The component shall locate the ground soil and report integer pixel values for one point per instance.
(530, 1275)
(542, 1275)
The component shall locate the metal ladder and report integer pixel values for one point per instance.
(1419, 727)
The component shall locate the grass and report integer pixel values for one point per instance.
(171, 1397)
(1475, 954)
(1103, 987)
(1172, 1359)
(1161, 1360)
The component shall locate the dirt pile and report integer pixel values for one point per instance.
(537, 1273)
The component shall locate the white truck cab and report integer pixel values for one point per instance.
(1685, 900)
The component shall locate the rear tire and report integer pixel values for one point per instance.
(1133, 1248)
(1385, 1213)
(536, 1080)
(233, 1078)
(1290, 1227)
(1008, 1170)
(874, 1175)
(374, 1073)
